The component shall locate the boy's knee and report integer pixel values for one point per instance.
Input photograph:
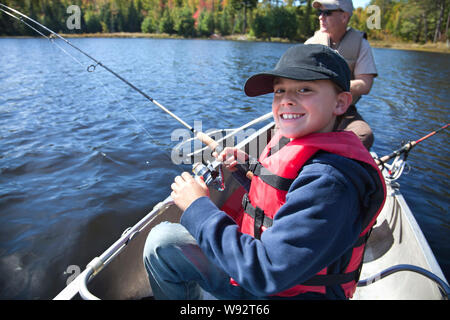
(165, 235)
(159, 236)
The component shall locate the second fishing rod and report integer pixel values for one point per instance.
(407, 147)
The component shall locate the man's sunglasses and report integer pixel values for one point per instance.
(327, 13)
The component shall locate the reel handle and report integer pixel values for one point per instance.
(240, 167)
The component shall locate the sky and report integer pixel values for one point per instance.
(360, 3)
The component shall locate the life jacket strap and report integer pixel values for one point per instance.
(270, 178)
(258, 216)
(332, 279)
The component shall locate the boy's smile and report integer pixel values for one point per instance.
(303, 107)
(291, 116)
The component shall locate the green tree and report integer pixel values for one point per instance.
(283, 22)
(206, 23)
(105, 17)
(184, 22)
(261, 26)
(133, 23)
(309, 21)
(93, 23)
(166, 23)
(54, 16)
(224, 24)
(441, 9)
(244, 5)
(148, 25)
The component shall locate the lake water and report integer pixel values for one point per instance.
(83, 156)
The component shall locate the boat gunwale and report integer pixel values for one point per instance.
(419, 235)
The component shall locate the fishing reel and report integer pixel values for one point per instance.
(398, 165)
(211, 173)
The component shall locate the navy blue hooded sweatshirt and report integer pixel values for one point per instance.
(315, 228)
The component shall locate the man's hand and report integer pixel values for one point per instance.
(186, 190)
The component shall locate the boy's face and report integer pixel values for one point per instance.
(303, 107)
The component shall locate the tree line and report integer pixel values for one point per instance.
(296, 20)
(410, 20)
(188, 18)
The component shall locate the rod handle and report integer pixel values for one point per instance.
(207, 140)
(403, 149)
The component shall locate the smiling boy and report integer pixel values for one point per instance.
(303, 107)
(310, 206)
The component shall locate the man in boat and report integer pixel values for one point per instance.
(334, 32)
(314, 195)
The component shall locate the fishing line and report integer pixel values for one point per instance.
(90, 69)
(204, 138)
(213, 145)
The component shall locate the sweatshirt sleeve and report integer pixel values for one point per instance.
(317, 224)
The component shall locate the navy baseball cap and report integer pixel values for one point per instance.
(305, 62)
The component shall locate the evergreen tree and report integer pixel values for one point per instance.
(54, 16)
(262, 26)
(93, 24)
(283, 22)
(148, 25)
(184, 23)
(133, 23)
(244, 5)
(166, 24)
(206, 23)
(224, 24)
(105, 17)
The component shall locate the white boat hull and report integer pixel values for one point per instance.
(397, 239)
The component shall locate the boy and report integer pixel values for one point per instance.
(308, 211)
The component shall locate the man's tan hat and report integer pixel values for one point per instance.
(344, 5)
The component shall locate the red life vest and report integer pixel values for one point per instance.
(273, 175)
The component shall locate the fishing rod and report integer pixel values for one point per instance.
(407, 147)
(210, 171)
(204, 138)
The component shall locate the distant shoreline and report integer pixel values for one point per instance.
(398, 45)
(427, 47)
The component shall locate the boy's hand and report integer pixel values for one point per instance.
(186, 190)
(230, 157)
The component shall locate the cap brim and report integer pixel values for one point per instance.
(262, 83)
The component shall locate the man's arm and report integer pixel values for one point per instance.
(361, 84)
(365, 71)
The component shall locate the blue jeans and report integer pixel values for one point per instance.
(178, 269)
